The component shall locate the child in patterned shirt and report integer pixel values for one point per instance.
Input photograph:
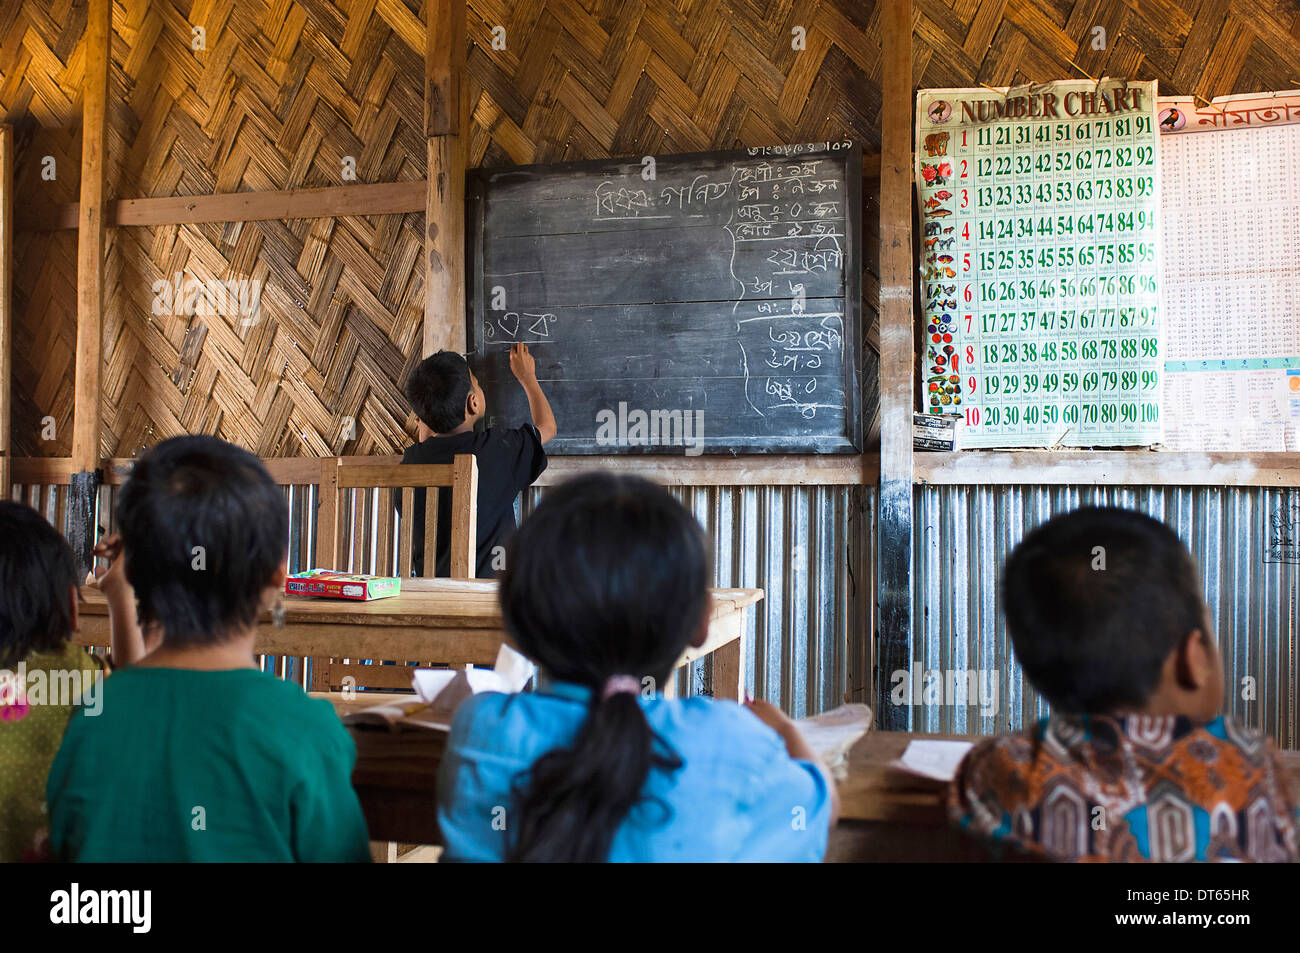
(1136, 762)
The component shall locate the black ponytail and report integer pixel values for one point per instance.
(609, 577)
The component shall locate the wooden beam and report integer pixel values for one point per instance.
(90, 241)
(444, 63)
(753, 469)
(381, 198)
(894, 594)
(447, 93)
(758, 469)
(6, 301)
(1107, 468)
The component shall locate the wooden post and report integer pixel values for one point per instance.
(446, 97)
(327, 515)
(90, 285)
(895, 538)
(464, 519)
(90, 242)
(6, 300)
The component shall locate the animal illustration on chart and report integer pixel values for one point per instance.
(936, 144)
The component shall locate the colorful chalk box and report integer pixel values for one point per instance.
(341, 585)
(1039, 263)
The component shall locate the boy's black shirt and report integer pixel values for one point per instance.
(508, 461)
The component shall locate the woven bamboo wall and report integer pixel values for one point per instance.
(284, 90)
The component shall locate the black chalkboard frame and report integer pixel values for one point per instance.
(847, 153)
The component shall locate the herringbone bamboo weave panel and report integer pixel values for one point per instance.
(284, 90)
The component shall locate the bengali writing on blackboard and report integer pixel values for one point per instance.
(786, 222)
(773, 277)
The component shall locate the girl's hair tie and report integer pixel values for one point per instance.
(620, 684)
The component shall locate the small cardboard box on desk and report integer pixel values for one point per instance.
(341, 585)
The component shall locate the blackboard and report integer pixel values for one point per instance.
(675, 304)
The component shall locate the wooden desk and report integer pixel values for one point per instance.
(456, 621)
(886, 815)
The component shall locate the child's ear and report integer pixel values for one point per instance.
(281, 573)
(473, 403)
(1197, 661)
(74, 597)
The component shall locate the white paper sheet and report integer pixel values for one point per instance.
(937, 760)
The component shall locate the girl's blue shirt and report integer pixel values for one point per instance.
(738, 796)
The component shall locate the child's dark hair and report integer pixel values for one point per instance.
(1096, 600)
(437, 390)
(191, 492)
(609, 576)
(37, 575)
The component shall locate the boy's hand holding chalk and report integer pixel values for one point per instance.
(522, 364)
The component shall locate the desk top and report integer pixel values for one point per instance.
(422, 603)
(396, 775)
(872, 790)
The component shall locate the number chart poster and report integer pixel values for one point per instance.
(1039, 263)
(1230, 219)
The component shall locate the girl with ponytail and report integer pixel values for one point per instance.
(605, 586)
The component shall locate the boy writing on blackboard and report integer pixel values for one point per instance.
(1106, 618)
(447, 399)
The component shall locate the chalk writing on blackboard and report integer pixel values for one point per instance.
(722, 284)
(782, 235)
(526, 326)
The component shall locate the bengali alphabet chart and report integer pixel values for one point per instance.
(1040, 263)
(1230, 217)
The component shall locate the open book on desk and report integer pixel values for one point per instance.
(439, 692)
(832, 733)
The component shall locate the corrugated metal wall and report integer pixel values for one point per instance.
(812, 550)
(804, 546)
(964, 533)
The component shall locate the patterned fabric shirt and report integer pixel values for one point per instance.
(1168, 789)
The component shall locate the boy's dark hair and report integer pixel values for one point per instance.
(609, 576)
(37, 573)
(437, 390)
(199, 491)
(1094, 639)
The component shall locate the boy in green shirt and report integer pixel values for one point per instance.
(196, 755)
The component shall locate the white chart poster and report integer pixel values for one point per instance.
(1040, 262)
(1230, 221)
